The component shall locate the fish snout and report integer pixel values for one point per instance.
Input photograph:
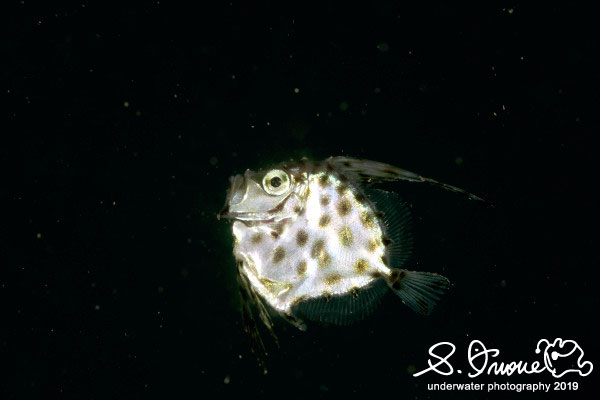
(235, 195)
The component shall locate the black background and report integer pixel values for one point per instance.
(129, 119)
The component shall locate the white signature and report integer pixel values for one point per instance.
(479, 359)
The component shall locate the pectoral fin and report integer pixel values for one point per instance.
(249, 297)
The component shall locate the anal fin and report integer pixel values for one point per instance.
(343, 309)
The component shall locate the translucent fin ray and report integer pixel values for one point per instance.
(344, 309)
(418, 290)
(249, 297)
(398, 223)
(373, 171)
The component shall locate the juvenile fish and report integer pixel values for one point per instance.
(314, 241)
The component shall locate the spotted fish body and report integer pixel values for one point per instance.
(308, 230)
(328, 243)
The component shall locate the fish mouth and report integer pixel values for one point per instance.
(248, 218)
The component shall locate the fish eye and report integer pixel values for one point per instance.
(276, 182)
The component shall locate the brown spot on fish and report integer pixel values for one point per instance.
(384, 260)
(278, 254)
(326, 296)
(380, 215)
(274, 235)
(386, 240)
(301, 238)
(256, 238)
(347, 164)
(354, 292)
(361, 198)
(396, 285)
(368, 219)
(332, 279)
(324, 180)
(375, 274)
(324, 259)
(317, 248)
(344, 207)
(343, 178)
(318, 251)
(316, 166)
(279, 227)
(330, 167)
(299, 178)
(372, 245)
(324, 220)
(345, 235)
(342, 189)
(301, 268)
(361, 266)
(297, 209)
(325, 200)
(394, 275)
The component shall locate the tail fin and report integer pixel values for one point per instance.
(418, 290)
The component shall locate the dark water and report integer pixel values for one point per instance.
(120, 280)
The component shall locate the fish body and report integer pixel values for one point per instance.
(310, 239)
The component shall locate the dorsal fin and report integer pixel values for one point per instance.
(373, 171)
(343, 309)
(398, 225)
